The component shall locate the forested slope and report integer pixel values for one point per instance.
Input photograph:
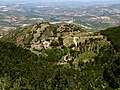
(113, 35)
(23, 70)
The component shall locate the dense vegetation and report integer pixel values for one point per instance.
(113, 35)
(23, 70)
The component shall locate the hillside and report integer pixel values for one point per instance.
(80, 45)
(113, 35)
(33, 36)
(59, 57)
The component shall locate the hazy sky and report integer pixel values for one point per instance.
(35, 1)
(62, 0)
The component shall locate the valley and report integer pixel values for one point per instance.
(14, 15)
